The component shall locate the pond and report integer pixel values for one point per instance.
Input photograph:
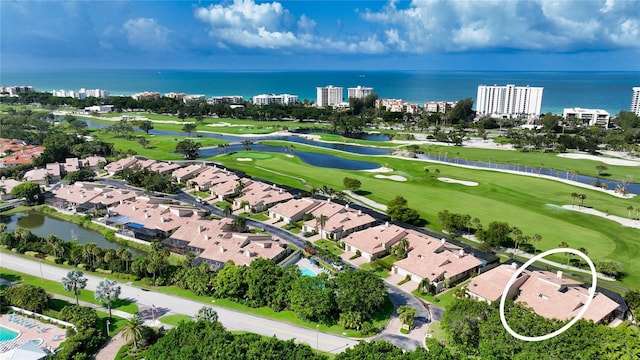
(42, 225)
(355, 149)
(315, 159)
(360, 136)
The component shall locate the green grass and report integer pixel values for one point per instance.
(530, 203)
(377, 269)
(443, 299)
(329, 245)
(292, 228)
(56, 288)
(200, 194)
(436, 331)
(259, 216)
(389, 260)
(175, 319)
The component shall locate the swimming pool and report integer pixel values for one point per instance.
(7, 334)
(307, 272)
(37, 341)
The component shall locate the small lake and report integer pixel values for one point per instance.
(315, 159)
(43, 225)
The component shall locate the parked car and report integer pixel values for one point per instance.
(338, 266)
(309, 251)
(314, 262)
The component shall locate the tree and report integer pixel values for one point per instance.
(398, 210)
(132, 331)
(28, 297)
(188, 128)
(74, 282)
(582, 197)
(28, 190)
(312, 298)
(574, 196)
(350, 320)
(107, 290)
(360, 291)
(630, 209)
(239, 224)
(632, 297)
(407, 314)
(207, 313)
(143, 142)
(609, 267)
(321, 221)
(188, 148)
(145, 126)
(497, 233)
(601, 169)
(79, 175)
(462, 110)
(351, 183)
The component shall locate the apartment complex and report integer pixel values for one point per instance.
(82, 93)
(283, 99)
(359, 92)
(588, 117)
(15, 90)
(508, 101)
(328, 95)
(635, 101)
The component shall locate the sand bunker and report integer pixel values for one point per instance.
(391, 177)
(606, 160)
(244, 159)
(226, 124)
(380, 169)
(461, 182)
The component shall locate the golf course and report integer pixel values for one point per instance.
(532, 204)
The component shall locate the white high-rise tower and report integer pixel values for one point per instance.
(509, 100)
(635, 101)
(328, 96)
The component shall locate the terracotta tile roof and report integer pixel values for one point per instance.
(227, 188)
(212, 176)
(156, 216)
(348, 220)
(75, 194)
(93, 161)
(376, 239)
(71, 165)
(187, 172)
(491, 284)
(432, 258)
(258, 193)
(327, 209)
(553, 296)
(121, 164)
(294, 207)
(9, 184)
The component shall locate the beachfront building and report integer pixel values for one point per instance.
(439, 106)
(359, 92)
(397, 105)
(508, 101)
(328, 95)
(227, 99)
(440, 263)
(587, 117)
(82, 93)
(174, 95)
(635, 101)
(193, 98)
(15, 90)
(282, 99)
(146, 95)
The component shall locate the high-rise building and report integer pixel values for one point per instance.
(635, 101)
(359, 92)
(328, 95)
(508, 101)
(283, 99)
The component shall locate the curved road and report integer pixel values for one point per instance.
(232, 320)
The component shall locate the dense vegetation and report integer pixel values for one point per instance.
(475, 329)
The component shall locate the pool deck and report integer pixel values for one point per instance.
(32, 333)
(303, 262)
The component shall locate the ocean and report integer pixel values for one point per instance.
(610, 91)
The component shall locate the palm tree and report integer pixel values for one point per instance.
(239, 224)
(574, 195)
(227, 211)
(630, 209)
(47, 178)
(132, 331)
(124, 255)
(74, 281)
(407, 315)
(207, 313)
(565, 245)
(321, 221)
(106, 291)
(582, 197)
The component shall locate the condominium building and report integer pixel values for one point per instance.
(146, 95)
(15, 90)
(82, 93)
(635, 101)
(589, 117)
(328, 95)
(359, 92)
(284, 99)
(508, 101)
(439, 106)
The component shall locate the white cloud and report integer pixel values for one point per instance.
(546, 25)
(270, 26)
(146, 34)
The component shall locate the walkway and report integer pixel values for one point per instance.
(111, 348)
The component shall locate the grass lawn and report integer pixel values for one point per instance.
(56, 288)
(436, 331)
(530, 203)
(259, 216)
(175, 319)
(329, 245)
(389, 260)
(200, 194)
(377, 269)
(292, 228)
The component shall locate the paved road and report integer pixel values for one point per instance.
(168, 304)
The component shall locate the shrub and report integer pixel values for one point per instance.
(103, 271)
(31, 253)
(50, 258)
(110, 235)
(82, 266)
(383, 265)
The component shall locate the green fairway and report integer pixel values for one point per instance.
(530, 203)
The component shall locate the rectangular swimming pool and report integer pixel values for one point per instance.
(307, 272)
(7, 334)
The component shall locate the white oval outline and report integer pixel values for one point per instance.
(592, 293)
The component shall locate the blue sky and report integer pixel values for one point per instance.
(537, 35)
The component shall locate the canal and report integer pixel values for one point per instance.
(43, 225)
